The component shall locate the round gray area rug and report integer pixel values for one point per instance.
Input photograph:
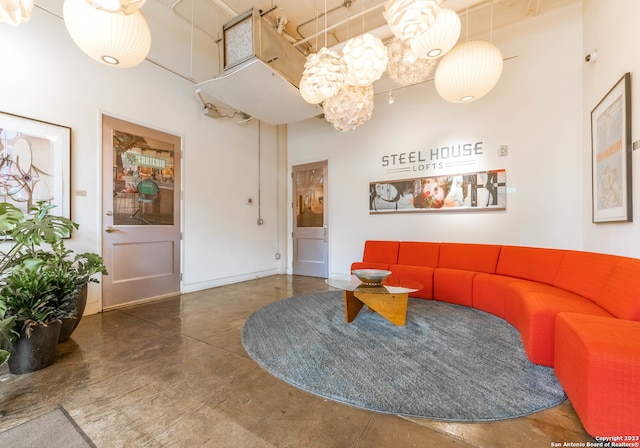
(449, 362)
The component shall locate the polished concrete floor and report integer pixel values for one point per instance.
(174, 373)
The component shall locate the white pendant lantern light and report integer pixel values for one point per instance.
(469, 71)
(123, 6)
(366, 59)
(440, 38)
(114, 39)
(311, 93)
(15, 12)
(410, 18)
(404, 67)
(323, 76)
(350, 108)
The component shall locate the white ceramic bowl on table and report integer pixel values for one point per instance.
(371, 276)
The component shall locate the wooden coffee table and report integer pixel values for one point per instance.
(389, 299)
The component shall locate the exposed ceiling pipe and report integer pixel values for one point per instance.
(478, 5)
(174, 8)
(223, 7)
(335, 25)
(346, 4)
(218, 4)
(533, 8)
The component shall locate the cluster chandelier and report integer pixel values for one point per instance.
(405, 68)
(343, 82)
(424, 35)
(366, 59)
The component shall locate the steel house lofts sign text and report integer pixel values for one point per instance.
(433, 159)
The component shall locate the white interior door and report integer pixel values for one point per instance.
(141, 219)
(310, 226)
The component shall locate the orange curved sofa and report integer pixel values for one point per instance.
(578, 312)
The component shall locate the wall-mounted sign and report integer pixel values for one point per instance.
(484, 190)
(133, 158)
(429, 160)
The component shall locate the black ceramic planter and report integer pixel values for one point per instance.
(36, 352)
(70, 324)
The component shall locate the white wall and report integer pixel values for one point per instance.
(536, 109)
(540, 109)
(46, 77)
(611, 29)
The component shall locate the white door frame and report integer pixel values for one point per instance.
(292, 211)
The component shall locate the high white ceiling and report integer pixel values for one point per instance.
(187, 34)
(312, 24)
(306, 18)
(172, 46)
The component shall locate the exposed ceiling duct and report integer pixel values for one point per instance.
(261, 74)
(264, 49)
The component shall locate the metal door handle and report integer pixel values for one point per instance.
(109, 229)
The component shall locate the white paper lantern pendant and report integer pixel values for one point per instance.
(469, 71)
(114, 39)
(410, 18)
(323, 76)
(350, 108)
(404, 67)
(440, 38)
(366, 59)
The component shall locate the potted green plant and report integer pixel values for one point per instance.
(32, 294)
(7, 334)
(9, 217)
(42, 282)
(79, 269)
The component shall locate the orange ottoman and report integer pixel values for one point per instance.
(597, 361)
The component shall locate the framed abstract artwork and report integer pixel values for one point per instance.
(35, 163)
(483, 190)
(611, 155)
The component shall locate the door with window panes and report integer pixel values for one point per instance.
(141, 219)
(310, 249)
